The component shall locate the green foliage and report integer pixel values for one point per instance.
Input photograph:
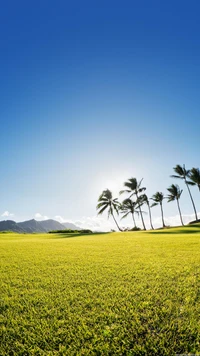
(195, 176)
(128, 206)
(106, 202)
(69, 231)
(133, 186)
(135, 228)
(182, 173)
(158, 198)
(175, 192)
(112, 294)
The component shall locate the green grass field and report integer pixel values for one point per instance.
(132, 293)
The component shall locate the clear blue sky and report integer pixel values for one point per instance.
(92, 93)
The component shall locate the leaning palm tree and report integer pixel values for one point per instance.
(129, 206)
(145, 200)
(106, 201)
(195, 176)
(183, 173)
(134, 187)
(175, 194)
(158, 198)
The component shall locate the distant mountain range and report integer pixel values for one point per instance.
(33, 225)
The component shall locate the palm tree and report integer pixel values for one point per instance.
(129, 207)
(158, 198)
(135, 188)
(106, 201)
(195, 176)
(145, 200)
(183, 174)
(175, 194)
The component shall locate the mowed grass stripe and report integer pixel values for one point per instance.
(105, 294)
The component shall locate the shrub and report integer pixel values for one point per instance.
(136, 228)
(69, 231)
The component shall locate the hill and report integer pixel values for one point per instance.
(33, 226)
(10, 225)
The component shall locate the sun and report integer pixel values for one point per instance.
(114, 185)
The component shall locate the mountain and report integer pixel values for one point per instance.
(33, 225)
(49, 225)
(10, 225)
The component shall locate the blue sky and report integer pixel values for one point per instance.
(93, 93)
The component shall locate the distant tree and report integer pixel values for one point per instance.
(106, 202)
(195, 176)
(158, 198)
(184, 174)
(175, 194)
(134, 187)
(145, 200)
(128, 206)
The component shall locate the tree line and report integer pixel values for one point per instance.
(134, 188)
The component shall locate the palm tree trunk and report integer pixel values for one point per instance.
(162, 215)
(179, 212)
(133, 219)
(192, 200)
(116, 222)
(141, 214)
(150, 217)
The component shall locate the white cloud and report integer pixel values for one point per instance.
(174, 220)
(7, 214)
(93, 223)
(39, 216)
(63, 220)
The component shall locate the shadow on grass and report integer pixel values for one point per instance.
(192, 229)
(72, 235)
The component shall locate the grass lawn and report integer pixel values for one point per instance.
(133, 293)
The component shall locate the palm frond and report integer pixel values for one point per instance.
(139, 184)
(124, 191)
(103, 199)
(190, 183)
(158, 197)
(175, 192)
(141, 190)
(125, 215)
(116, 208)
(182, 172)
(175, 176)
(102, 210)
(170, 198)
(154, 204)
(195, 176)
(101, 205)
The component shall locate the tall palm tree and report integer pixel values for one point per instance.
(175, 194)
(145, 200)
(134, 187)
(129, 207)
(158, 198)
(106, 201)
(183, 173)
(195, 176)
